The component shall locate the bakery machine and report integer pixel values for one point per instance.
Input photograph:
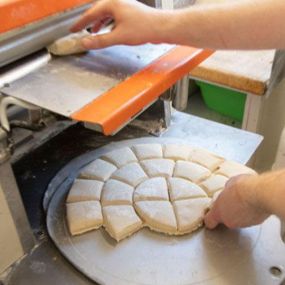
(53, 110)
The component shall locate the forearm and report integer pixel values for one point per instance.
(247, 24)
(267, 191)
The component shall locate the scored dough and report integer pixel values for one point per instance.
(177, 152)
(166, 188)
(84, 216)
(121, 221)
(148, 151)
(158, 167)
(85, 190)
(120, 157)
(131, 173)
(157, 215)
(98, 169)
(232, 168)
(206, 159)
(152, 189)
(214, 183)
(190, 213)
(180, 188)
(117, 193)
(191, 171)
(70, 44)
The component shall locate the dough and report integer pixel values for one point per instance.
(85, 190)
(191, 171)
(231, 168)
(214, 183)
(120, 157)
(158, 167)
(131, 174)
(121, 221)
(148, 151)
(83, 216)
(190, 213)
(157, 215)
(177, 152)
(98, 169)
(152, 189)
(70, 44)
(166, 188)
(180, 189)
(117, 193)
(206, 159)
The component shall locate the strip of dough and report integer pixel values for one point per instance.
(70, 44)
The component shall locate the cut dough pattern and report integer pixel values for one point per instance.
(166, 188)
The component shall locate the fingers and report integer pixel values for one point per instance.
(101, 41)
(210, 220)
(100, 10)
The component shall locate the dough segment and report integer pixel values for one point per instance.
(98, 169)
(131, 174)
(157, 215)
(152, 189)
(206, 159)
(148, 151)
(120, 157)
(158, 167)
(190, 213)
(84, 216)
(191, 171)
(117, 193)
(177, 152)
(232, 168)
(214, 183)
(121, 221)
(85, 190)
(180, 189)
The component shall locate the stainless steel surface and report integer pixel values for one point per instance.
(35, 36)
(222, 256)
(65, 85)
(18, 70)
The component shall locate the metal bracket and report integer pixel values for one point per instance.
(5, 102)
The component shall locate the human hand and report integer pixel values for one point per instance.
(135, 23)
(238, 205)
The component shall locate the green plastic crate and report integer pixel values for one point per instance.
(225, 101)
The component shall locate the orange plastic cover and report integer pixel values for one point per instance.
(115, 108)
(17, 13)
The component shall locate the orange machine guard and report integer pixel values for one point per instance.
(117, 106)
(18, 13)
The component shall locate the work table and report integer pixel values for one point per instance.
(247, 71)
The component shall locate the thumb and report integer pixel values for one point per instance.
(100, 41)
(211, 220)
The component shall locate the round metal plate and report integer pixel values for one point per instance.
(219, 257)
